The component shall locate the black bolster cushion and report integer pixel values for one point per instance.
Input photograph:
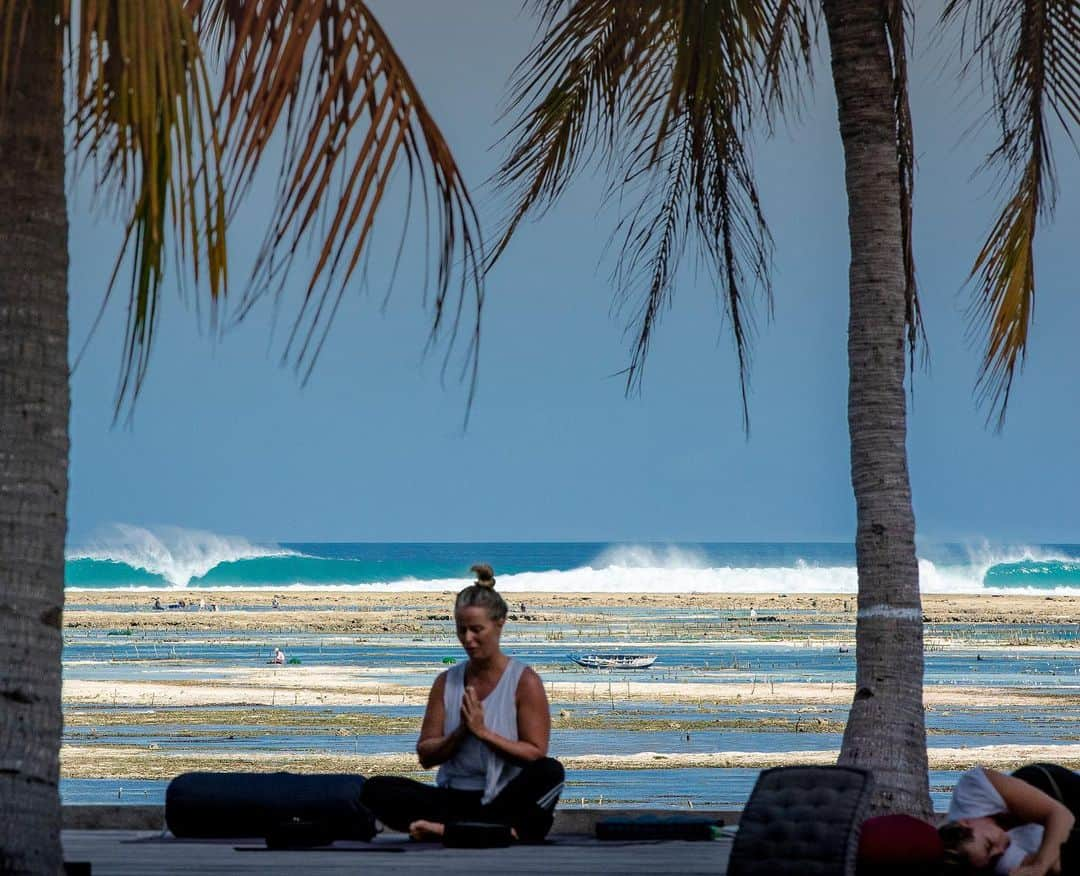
(802, 821)
(258, 804)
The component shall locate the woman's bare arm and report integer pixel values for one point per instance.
(434, 746)
(1030, 805)
(533, 719)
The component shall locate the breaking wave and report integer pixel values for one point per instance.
(133, 557)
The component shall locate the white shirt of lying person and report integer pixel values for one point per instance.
(974, 797)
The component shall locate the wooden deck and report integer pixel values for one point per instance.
(138, 853)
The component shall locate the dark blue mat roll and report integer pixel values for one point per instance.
(209, 805)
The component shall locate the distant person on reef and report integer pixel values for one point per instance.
(279, 657)
(487, 727)
(1020, 824)
(157, 606)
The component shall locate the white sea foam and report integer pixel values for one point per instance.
(179, 556)
(801, 578)
(176, 554)
(982, 556)
(621, 579)
(638, 556)
(796, 579)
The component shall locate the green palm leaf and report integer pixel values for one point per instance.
(143, 117)
(325, 75)
(175, 106)
(1030, 53)
(665, 93)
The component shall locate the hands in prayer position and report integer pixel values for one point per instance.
(472, 713)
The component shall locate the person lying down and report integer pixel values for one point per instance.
(1019, 824)
(486, 726)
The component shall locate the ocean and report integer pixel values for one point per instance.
(153, 696)
(138, 558)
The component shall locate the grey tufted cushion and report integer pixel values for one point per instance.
(802, 821)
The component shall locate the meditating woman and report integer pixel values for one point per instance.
(486, 726)
(1018, 824)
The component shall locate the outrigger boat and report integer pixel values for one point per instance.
(614, 661)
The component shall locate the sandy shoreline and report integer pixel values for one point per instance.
(414, 612)
(399, 619)
(132, 762)
(306, 686)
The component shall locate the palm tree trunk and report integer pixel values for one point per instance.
(886, 730)
(34, 448)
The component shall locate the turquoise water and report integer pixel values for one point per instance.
(141, 558)
(1033, 573)
(95, 655)
(628, 726)
(704, 788)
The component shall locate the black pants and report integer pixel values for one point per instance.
(526, 804)
(1064, 786)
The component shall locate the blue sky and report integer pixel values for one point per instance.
(225, 439)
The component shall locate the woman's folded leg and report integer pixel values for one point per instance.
(397, 801)
(527, 804)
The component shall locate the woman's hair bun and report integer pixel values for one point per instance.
(485, 575)
(482, 594)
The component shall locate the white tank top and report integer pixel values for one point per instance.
(474, 766)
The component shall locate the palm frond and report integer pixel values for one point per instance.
(1030, 53)
(567, 92)
(14, 20)
(665, 92)
(705, 177)
(143, 114)
(898, 16)
(788, 62)
(548, 11)
(323, 77)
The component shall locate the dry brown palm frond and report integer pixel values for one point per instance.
(1030, 53)
(666, 92)
(788, 62)
(898, 17)
(14, 20)
(323, 77)
(143, 116)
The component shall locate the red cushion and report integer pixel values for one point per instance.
(896, 839)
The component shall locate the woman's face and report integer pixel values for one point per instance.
(478, 633)
(988, 843)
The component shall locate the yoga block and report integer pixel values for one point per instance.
(476, 835)
(658, 827)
